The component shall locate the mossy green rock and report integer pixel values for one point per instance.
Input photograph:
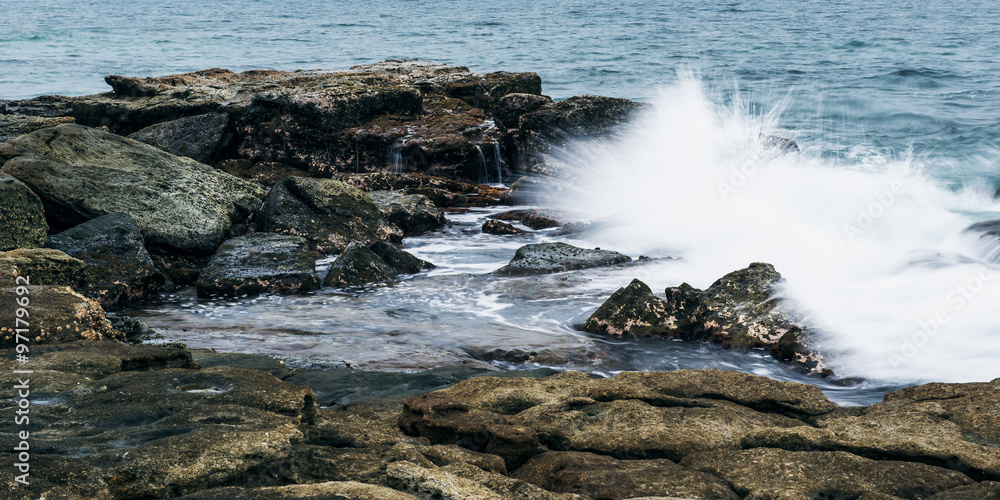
(81, 173)
(328, 213)
(22, 217)
(258, 263)
(119, 268)
(42, 266)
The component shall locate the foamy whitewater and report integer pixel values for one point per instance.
(875, 252)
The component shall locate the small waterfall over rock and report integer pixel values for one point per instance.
(496, 160)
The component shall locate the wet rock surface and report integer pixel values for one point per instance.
(22, 224)
(546, 258)
(413, 213)
(119, 269)
(82, 173)
(259, 263)
(360, 264)
(742, 310)
(328, 213)
(500, 228)
(132, 421)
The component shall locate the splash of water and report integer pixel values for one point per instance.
(874, 250)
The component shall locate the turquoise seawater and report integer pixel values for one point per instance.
(889, 75)
(898, 97)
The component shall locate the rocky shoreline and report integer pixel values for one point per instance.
(233, 185)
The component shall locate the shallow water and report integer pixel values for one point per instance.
(882, 97)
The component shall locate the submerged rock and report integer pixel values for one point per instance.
(546, 258)
(22, 218)
(500, 228)
(524, 191)
(58, 314)
(119, 269)
(259, 263)
(81, 173)
(42, 266)
(197, 137)
(360, 264)
(413, 213)
(741, 310)
(328, 213)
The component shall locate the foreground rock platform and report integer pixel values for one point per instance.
(124, 421)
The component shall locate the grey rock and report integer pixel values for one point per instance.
(545, 258)
(356, 266)
(197, 137)
(259, 263)
(328, 213)
(413, 213)
(402, 261)
(119, 269)
(14, 126)
(81, 173)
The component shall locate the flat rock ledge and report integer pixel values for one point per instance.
(146, 421)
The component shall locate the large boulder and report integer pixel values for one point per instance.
(545, 258)
(741, 310)
(197, 137)
(413, 213)
(81, 173)
(328, 213)
(22, 217)
(360, 264)
(42, 266)
(57, 314)
(119, 269)
(258, 263)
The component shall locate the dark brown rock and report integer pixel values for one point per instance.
(119, 269)
(328, 213)
(500, 228)
(601, 476)
(259, 263)
(57, 314)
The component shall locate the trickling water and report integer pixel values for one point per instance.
(485, 176)
(874, 250)
(396, 159)
(496, 159)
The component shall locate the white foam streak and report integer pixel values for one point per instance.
(872, 250)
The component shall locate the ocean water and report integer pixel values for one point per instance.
(895, 106)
